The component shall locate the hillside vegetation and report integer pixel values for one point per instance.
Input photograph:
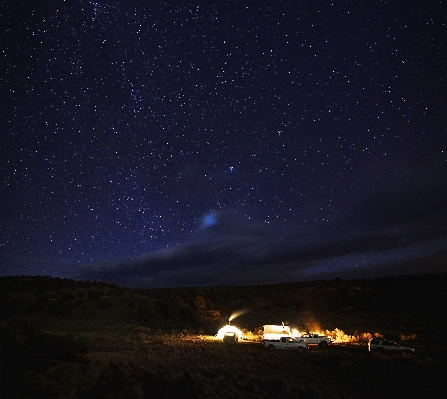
(89, 339)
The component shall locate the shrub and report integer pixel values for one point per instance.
(61, 309)
(104, 303)
(94, 295)
(60, 347)
(146, 312)
(67, 297)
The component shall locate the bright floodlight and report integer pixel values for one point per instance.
(228, 328)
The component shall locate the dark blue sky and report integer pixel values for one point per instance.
(164, 144)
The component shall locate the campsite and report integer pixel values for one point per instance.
(86, 339)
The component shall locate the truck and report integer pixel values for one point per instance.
(285, 343)
(316, 339)
(383, 345)
(274, 332)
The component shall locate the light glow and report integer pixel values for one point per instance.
(338, 336)
(237, 314)
(220, 334)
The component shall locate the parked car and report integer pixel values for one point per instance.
(383, 345)
(316, 339)
(230, 337)
(285, 343)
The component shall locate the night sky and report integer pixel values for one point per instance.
(157, 143)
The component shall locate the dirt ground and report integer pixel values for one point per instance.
(247, 369)
(135, 362)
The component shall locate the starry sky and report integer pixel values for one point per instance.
(171, 143)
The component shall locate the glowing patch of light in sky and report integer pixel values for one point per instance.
(209, 220)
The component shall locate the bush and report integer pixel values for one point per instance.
(61, 309)
(94, 295)
(104, 303)
(67, 297)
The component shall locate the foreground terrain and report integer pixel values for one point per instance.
(68, 339)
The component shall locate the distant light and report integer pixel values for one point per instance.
(237, 314)
(220, 334)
